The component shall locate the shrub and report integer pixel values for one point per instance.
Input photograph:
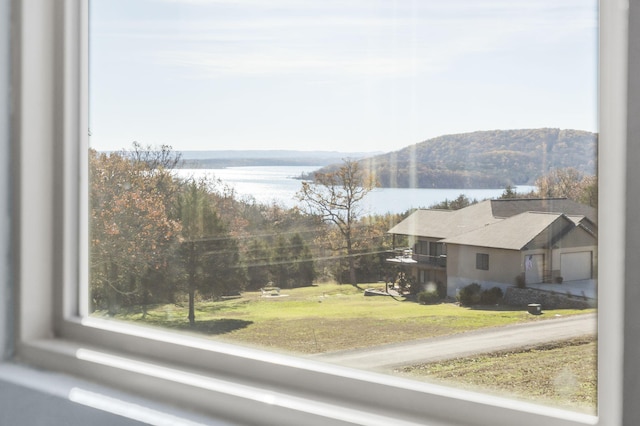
(558, 280)
(520, 281)
(491, 296)
(428, 297)
(469, 295)
(473, 294)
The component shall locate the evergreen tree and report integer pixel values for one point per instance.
(257, 261)
(209, 256)
(302, 270)
(281, 262)
(509, 192)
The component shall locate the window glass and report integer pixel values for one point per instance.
(482, 261)
(317, 178)
(436, 249)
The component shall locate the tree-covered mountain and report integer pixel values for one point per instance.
(485, 159)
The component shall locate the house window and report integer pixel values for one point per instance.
(423, 247)
(482, 261)
(436, 249)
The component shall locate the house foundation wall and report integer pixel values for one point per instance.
(514, 296)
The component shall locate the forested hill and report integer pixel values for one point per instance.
(485, 159)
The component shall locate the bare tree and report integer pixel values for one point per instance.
(336, 197)
(568, 183)
(154, 158)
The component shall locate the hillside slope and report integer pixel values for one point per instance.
(485, 159)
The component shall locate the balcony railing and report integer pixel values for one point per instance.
(408, 256)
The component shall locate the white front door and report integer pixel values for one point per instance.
(533, 268)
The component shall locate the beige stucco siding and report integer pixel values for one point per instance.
(561, 235)
(504, 266)
(550, 234)
(577, 237)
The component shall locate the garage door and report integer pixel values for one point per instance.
(575, 266)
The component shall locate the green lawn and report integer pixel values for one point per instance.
(329, 317)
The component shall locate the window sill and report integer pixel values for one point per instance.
(72, 401)
(260, 385)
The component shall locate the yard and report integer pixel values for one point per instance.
(328, 317)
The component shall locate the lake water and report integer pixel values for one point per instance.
(269, 184)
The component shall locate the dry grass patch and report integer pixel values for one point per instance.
(315, 335)
(562, 374)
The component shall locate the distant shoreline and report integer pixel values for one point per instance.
(223, 163)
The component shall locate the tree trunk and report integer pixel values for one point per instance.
(112, 296)
(192, 296)
(352, 263)
(145, 296)
(352, 271)
(191, 277)
(192, 284)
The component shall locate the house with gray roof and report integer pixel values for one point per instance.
(499, 243)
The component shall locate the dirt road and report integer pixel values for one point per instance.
(494, 339)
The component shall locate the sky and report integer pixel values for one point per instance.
(336, 75)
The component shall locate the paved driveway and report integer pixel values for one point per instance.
(387, 357)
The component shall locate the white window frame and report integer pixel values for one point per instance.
(231, 382)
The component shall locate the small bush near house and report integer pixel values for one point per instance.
(428, 297)
(469, 295)
(473, 294)
(491, 296)
(520, 281)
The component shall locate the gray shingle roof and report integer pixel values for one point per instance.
(509, 224)
(445, 223)
(513, 233)
(515, 206)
